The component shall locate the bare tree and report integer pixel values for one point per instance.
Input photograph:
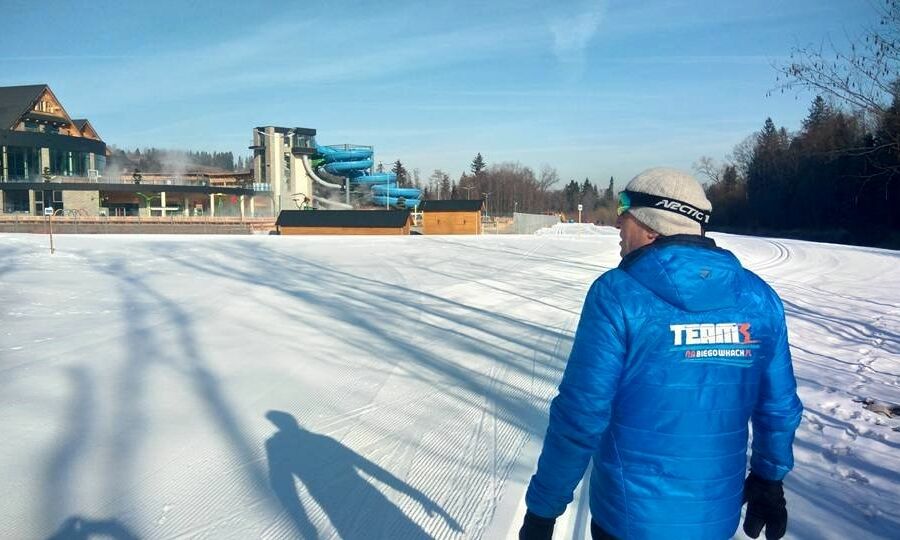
(707, 167)
(742, 155)
(863, 76)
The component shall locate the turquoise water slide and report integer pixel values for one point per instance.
(355, 163)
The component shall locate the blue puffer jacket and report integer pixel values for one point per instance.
(676, 350)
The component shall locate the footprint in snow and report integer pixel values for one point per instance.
(852, 475)
(835, 452)
(850, 434)
(813, 423)
(830, 406)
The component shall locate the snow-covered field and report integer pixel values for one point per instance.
(359, 387)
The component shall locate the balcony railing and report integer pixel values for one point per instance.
(152, 179)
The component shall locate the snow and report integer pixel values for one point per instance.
(380, 387)
(577, 229)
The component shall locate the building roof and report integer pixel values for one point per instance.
(453, 205)
(343, 218)
(16, 101)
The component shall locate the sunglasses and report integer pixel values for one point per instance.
(624, 203)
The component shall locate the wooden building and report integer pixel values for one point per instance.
(344, 222)
(50, 162)
(452, 217)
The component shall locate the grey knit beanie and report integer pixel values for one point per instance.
(678, 185)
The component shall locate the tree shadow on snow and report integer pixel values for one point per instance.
(335, 477)
(79, 528)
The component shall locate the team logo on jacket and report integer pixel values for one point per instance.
(718, 343)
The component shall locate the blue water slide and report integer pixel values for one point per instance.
(350, 154)
(382, 200)
(392, 190)
(376, 178)
(349, 168)
(355, 163)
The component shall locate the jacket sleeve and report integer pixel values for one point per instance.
(778, 411)
(580, 413)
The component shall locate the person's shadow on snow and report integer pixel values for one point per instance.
(330, 472)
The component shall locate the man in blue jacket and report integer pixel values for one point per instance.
(678, 349)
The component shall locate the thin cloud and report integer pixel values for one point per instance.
(246, 62)
(572, 34)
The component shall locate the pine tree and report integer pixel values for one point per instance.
(589, 198)
(729, 178)
(400, 171)
(478, 165)
(571, 194)
(819, 113)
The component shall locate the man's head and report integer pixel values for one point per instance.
(660, 202)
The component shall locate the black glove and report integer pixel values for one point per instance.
(765, 506)
(536, 527)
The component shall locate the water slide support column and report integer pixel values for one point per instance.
(273, 143)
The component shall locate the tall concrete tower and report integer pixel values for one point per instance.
(278, 155)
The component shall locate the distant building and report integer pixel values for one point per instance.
(294, 222)
(50, 160)
(40, 140)
(456, 216)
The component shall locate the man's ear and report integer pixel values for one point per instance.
(649, 233)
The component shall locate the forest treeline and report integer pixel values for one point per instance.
(174, 161)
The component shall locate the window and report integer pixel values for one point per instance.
(15, 201)
(100, 163)
(57, 161)
(23, 163)
(77, 163)
(32, 126)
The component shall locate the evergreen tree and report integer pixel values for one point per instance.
(589, 195)
(729, 178)
(400, 171)
(819, 113)
(478, 165)
(571, 194)
(769, 176)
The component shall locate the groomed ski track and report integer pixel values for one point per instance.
(410, 378)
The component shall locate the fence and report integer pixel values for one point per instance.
(530, 223)
(77, 224)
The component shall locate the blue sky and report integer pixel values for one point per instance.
(592, 88)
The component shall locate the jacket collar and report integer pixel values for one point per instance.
(663, 241)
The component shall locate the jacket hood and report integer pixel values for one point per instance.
(688, 272)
